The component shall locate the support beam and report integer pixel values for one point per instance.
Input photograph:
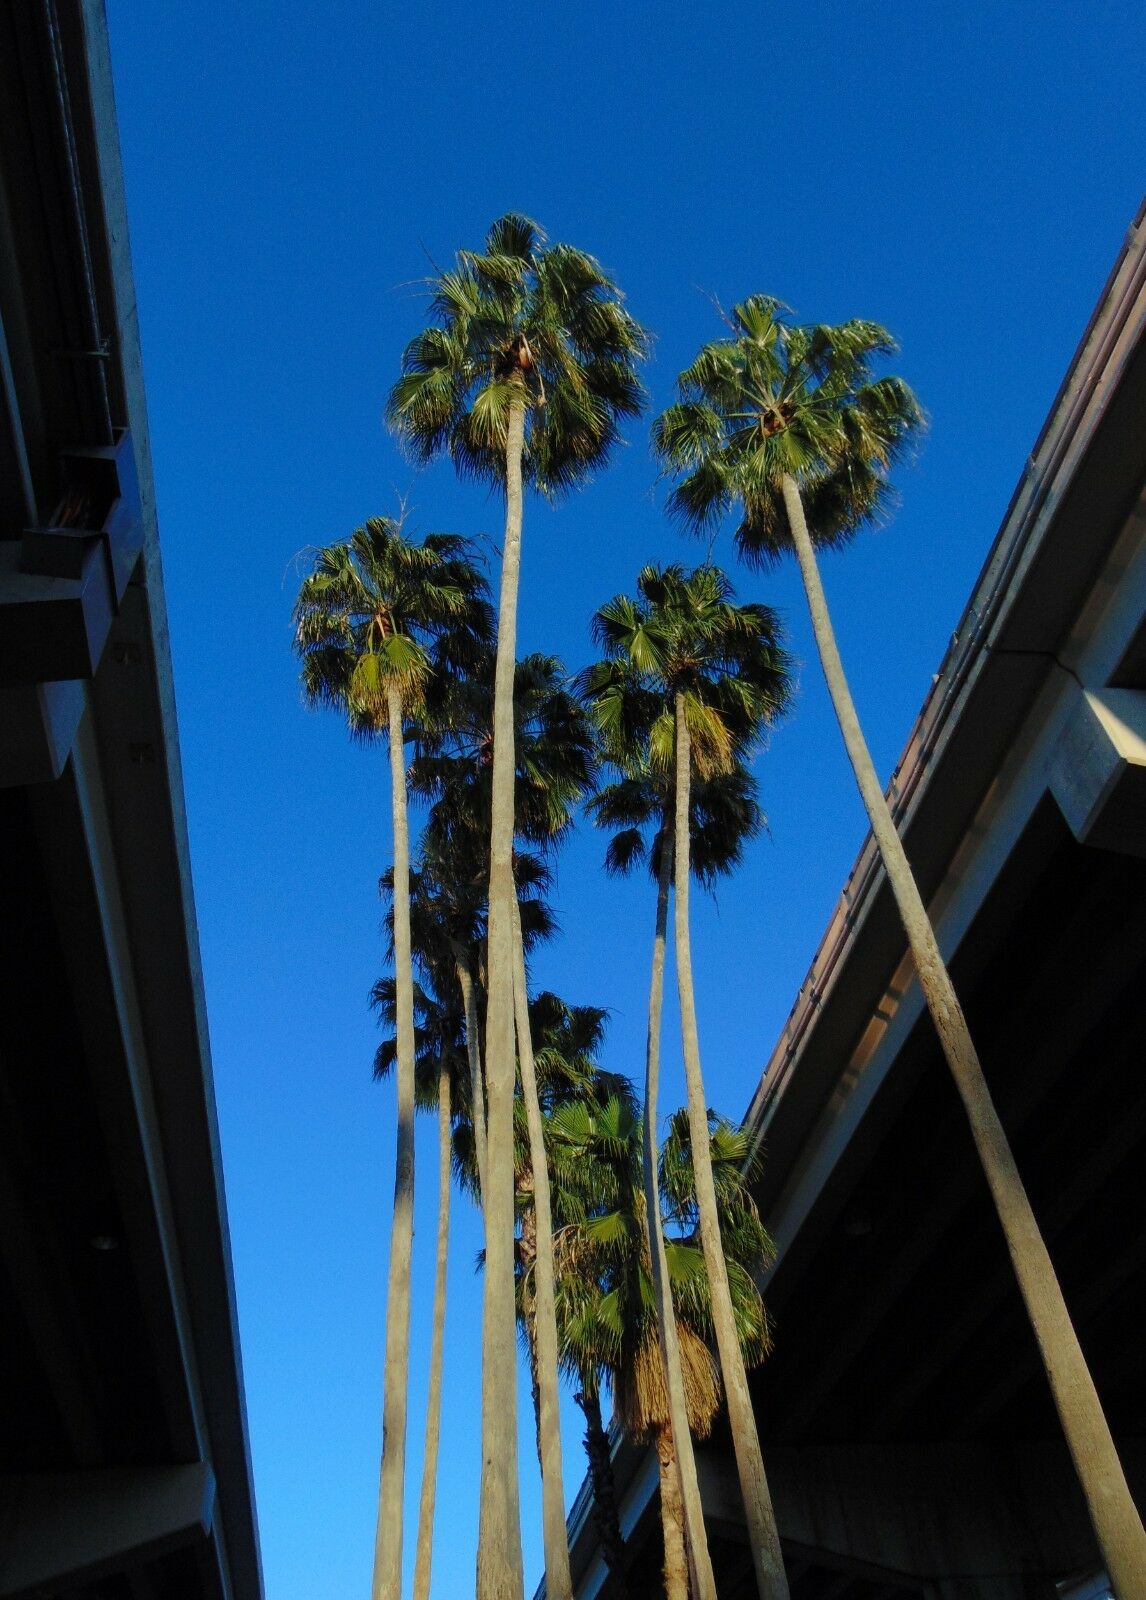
(939, 1514)
(1099, 772)
(38, 723)
(32, 1268)
(61, 1530)
(992, 1589)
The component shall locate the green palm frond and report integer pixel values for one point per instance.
(521, 319)
(779, 399)
(554, 747)
(379, 613)
(606, 1301)
(682, 639)
(439, 1040)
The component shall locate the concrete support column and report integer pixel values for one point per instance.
(1098, 773)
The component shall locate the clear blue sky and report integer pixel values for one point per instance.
(963, 173)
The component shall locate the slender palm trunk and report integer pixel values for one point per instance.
(437, 1339)
(672, 1518)
(387, 1579)
(763, 1539)
(1115, 1518)
(684, 1462)
(600, 1459)
(499, 1567)
(473, 1055)
(527, 1256)
(527, 1251)
(558, 1579)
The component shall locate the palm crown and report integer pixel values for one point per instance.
(526, 319)
(776, 400)
(683, 636)
(724, 814)
(379, 612)
(607, 1299)
(553, 752)
(439, 1040)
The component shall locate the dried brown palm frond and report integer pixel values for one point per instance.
(642, 1399)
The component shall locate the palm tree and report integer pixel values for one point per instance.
(563, 1042)
(446, 933)
(788, 424)
(553, 755)
(639, 809)
(522, 378)
(441, 1061)
(706, 677)
(443, 928)
(447, 910)
(554, 749)
(373, 621)
(684, 1489)
(609, 1305)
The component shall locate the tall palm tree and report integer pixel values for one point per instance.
(639, 810)
(553, 756)
(522, 378)
(554, 749)
(563, 1043)
(442, 924)
(447, 912)
(441, 1062)
(609, 1306)
(711, 676)
(446, 934)
(373, 621)
(788, 424)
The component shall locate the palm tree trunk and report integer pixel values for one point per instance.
(558, 1579)
(763, 1539)
(686, 1486)
(1115, 1518)
(600, 1459)
(473, 1054)
(387, 1579)
(527, 1254)
(499, 1567)
(672, 1518)
(437, 1339)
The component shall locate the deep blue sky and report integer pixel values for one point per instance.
(963, 173)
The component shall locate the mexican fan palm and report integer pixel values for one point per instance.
(373, 621)
(562, 1043)
(522, 378)
(554, 749)
(608, 1304)
(553, 754)
(447, 929)
(689, 684)
(638, 809)
(446, 1076)
(447, 910)
(788, 425)
(441, 1059)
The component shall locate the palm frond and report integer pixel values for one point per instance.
(379, 611)
(523, 319)
(778, 400)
